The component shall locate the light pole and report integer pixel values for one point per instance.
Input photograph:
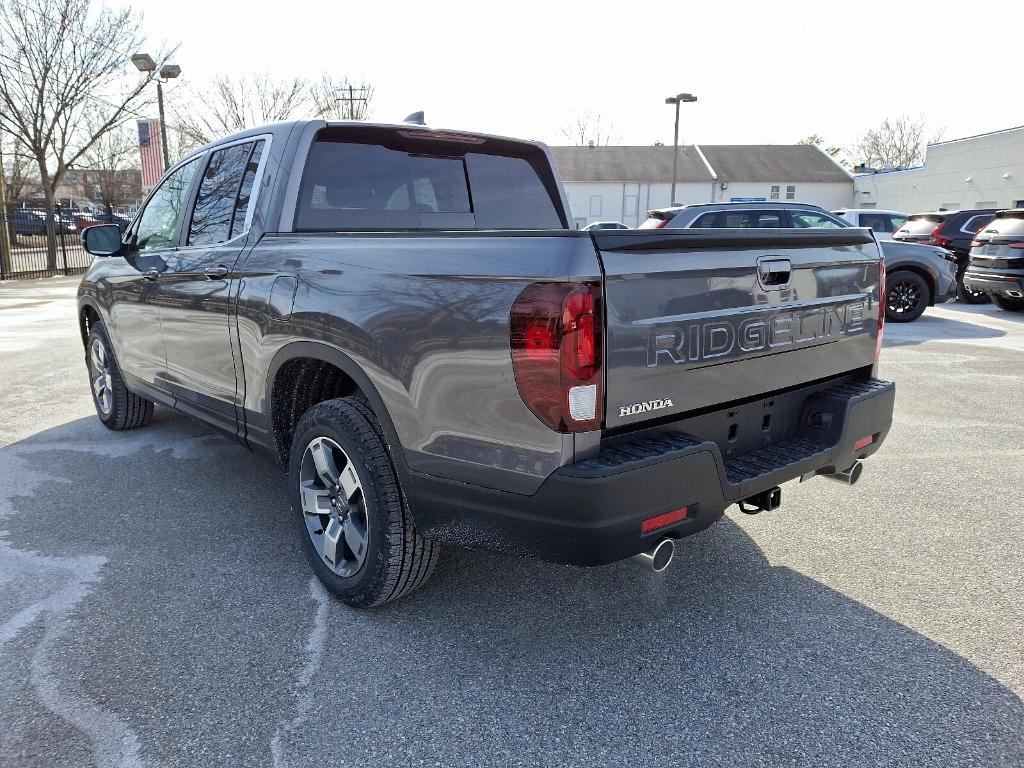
(144, 63)
(679, 98)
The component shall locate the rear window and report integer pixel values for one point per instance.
(1009, 224)
(385, 181)
(921, 225)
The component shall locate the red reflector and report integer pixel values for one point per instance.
(864, 442)
(660, 521)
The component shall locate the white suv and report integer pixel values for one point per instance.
(884, 223)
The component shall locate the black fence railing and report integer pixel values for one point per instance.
(39, 241)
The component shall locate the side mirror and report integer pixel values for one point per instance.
(102, 240)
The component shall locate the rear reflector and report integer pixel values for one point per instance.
(864, 442)
(663, 521)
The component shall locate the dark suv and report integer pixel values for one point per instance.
(997, 260)
(953, 230)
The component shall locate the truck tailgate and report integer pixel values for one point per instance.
(701, 318)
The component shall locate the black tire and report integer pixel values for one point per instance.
(1009, 303)
(907, 296)
(967, 296)
(395, 559)
(116, 407)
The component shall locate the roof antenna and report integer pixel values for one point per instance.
(416, 118)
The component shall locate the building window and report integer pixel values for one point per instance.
(595, 205)
(775, 192)
(791, 193)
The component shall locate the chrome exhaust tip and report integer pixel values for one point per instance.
(658, 557)
(849, 476)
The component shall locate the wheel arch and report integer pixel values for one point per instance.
(287, 357)
(88, 315)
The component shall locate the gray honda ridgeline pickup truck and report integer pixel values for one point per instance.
(404, 319)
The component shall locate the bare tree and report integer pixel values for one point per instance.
(588, 129)
(17, 169)
(340, 99)
(233, 104)
(109, 168)
(57, 58)
(897, 143)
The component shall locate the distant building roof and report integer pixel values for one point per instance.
(772, 162)
(646, 164)
(730, 162)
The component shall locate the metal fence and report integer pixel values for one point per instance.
(41, 241)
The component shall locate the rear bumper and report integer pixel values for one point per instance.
(1007, 283)
(590, 513)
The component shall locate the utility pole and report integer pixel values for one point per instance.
(681, 98)
(163, 124)
(355, 94)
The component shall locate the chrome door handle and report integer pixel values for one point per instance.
(216, 273)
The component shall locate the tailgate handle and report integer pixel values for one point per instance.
(773, 272)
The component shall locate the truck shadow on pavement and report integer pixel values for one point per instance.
(196, 631)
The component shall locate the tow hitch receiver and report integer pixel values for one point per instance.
(762, 502)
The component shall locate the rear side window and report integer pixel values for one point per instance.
(420, 184)
(749, 220)
(811, 220)
(218, 195)
(879, 222)
(976, 223)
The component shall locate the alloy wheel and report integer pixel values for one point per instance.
(102, 384)
(903, 298)
(333, 506)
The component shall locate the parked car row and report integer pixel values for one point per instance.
(918, 275)
(30, 222)
(953, 230)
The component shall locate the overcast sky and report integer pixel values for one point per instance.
(764, 72)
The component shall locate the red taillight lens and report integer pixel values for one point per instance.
(555, 335)
(662, 224)
(1018, 245)
(883, 302)
(936, 239)
(976, 243)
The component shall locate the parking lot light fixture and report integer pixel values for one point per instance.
(144, 63)
(679, 98)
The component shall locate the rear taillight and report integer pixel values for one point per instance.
(976, 243)
(662, 224)
(1019, 245)
(555, 335)
(936, 239)
(883, 302)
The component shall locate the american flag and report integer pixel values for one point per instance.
(150, 152)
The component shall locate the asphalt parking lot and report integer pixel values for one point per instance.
(155, 609)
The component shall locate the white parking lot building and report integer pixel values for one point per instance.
(984, 171)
